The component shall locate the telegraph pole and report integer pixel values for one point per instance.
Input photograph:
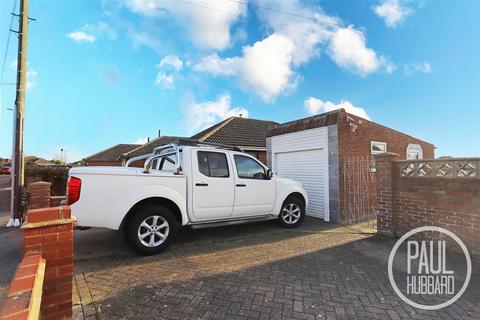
(18, 163)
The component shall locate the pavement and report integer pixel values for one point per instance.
(255, 271)
(5, 189)
(11, 253)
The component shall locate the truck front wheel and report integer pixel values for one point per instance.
(152, 229)
(292, 212)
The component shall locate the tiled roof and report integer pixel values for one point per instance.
(112, 154)
(237, 131)
(320, 120)
(149, 146)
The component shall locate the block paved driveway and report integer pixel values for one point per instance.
(256, 271)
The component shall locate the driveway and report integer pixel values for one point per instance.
(318, 271)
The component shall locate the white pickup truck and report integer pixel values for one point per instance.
(182, 184)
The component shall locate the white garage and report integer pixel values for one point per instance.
(303, 156)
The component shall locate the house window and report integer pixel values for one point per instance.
(414, 152)
(378, 147)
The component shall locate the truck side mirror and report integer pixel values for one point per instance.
(269, 174)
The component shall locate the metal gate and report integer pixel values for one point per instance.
(359, 191)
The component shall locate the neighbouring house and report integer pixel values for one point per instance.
(36, 161)
(147, 148)
(111, 156)
(245, 133)
(325, 152)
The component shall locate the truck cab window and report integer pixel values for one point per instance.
(248, 168)
(213, 164)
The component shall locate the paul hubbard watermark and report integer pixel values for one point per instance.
(427, 271)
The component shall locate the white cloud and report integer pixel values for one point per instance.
(264, 68)
(316, 106)
(423, 67)
(208, 22)
(141, 140)
(306, 34)
(100, 29)
(171, 61)
(217, 66)
(31, 78)
(348, 49)
(268, 67)
(164, 81)
(393, 12)
(80, 36)
(31, 74)
(142, 38)
(199, 116)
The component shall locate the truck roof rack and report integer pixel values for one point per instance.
(174, 147)
(195, 143)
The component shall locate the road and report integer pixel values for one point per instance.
(4, 198)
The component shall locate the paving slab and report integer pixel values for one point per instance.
(256, 271)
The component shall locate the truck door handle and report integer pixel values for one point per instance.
(201, 184)
(241, 185)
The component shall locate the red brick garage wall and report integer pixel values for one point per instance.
(262, 156)
(357, 143)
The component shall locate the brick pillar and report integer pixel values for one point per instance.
(385, 201)
(49, 231)
(39, 195)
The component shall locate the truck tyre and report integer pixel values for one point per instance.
(151, 229)
(292, 212)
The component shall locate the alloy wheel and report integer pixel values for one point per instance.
(153, 231)
(291, 213)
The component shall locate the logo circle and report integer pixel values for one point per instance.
(392, 257)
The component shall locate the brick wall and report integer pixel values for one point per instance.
(262, 156)
(56, 201)
(384, 192)
(39, 194)
(25, 293)
(357, 143)
(405, 203)
(49, 232)
(42, 285)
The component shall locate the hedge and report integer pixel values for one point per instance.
(57, 175)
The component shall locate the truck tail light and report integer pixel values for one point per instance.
(73, 190)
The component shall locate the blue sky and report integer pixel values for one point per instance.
(108, 72)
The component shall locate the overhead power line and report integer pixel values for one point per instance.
(8, 39)
(209, 8)
(293, 14)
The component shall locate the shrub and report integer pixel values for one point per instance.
(57, 175)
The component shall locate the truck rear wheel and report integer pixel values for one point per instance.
(152, 229)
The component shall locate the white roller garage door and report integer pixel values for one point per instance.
(303, 156)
